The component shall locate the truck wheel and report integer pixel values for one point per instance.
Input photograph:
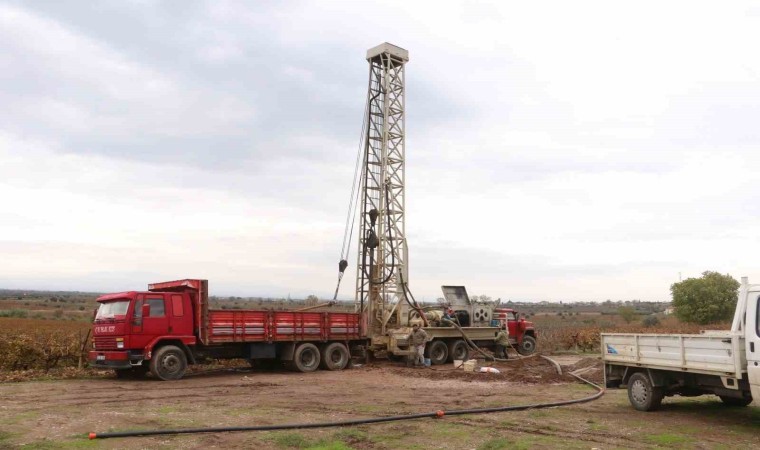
(528, 346)
(642, 395)
(733, 401)
(458, 350)
(306, 358)
(335, 356)
(168, 363)
(438, 352)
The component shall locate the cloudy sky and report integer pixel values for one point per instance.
(555, 150)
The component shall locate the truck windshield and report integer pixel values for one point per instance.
(109, 310)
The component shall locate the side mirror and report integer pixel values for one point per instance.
(146, 310)
(94, 314)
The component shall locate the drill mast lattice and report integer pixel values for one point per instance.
(384, 269)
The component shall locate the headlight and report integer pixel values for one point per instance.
(119, 342)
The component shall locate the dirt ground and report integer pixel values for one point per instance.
(60, 414)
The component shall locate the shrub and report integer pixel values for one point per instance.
(18, 313)
(650, 321)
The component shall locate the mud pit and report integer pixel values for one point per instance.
(61, 413)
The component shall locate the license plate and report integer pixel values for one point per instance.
(101, 357)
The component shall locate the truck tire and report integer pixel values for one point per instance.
(733, 401)
(642, 395)
(527, 346)
(306, 358)
(438, 352)
(335, 356)
(458, 350)
(168, 363)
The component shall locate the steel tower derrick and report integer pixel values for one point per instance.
(383, 269)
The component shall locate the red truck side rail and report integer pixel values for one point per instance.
(281, 326)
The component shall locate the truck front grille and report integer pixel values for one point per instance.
(105, 343)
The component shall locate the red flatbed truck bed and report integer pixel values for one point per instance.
(280, 326)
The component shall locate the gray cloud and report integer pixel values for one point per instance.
(233, 127)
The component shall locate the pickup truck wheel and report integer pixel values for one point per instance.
(733, 401)
(642, 395)
(438, 352)
(168, 363)
(527, 346)
(306, 358)
(458, 350)
(335, 356)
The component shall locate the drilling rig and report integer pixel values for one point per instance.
(382, 254)
(383, 297)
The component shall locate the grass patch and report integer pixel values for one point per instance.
(352, 436)
(334, 445)
(495, 444)
(167, 409)
(15, 419)
(5, 435)
(667, 439)
(290, 440)
(298, 440)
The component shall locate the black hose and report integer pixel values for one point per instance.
(346, 423)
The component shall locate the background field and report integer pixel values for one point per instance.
(44, 334)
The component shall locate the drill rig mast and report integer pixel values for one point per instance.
(382, 258)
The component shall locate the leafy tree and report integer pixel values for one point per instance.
(627, 313)
(711, 298)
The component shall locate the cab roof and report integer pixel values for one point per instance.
(118, 295)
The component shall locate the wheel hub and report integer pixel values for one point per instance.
(639, 392)
(170, 363)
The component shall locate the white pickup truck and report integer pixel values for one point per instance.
(723, 363)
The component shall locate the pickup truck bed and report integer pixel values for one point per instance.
(719, 353)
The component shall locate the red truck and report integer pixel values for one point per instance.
(170, 326)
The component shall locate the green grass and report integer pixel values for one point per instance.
(495, 444)
(667, 439)
(167, 409)
(290, 440)
(352, 435)
(335, 445)
(20, 417)
(298, 440)
(4, 436)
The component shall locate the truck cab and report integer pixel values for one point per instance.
(522, 331)
(128, 324)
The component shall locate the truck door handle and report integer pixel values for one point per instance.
(752, 347)
(726, 341)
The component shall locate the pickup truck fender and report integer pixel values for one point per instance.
(183, 342)
(655, 376)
